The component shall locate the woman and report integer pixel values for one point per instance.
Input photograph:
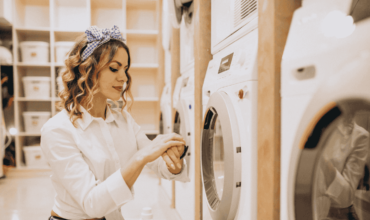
(97, 153)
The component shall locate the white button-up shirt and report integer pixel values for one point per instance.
(86, 163)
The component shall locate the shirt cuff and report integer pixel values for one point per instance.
(183, 176)
(118, 189)
(336, 187)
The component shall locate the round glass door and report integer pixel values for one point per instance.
(218, 157)
(221, 157)
(332, 180)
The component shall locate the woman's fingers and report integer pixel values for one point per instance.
(174, 158)
(180, 149)
(171, 144)
(176, 151)
(174, 137)
(168, 160)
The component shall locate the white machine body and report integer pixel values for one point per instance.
(230, 17)
(313, 55)
(166, 109)
(230, 89)
(186, 46)
(184, 125)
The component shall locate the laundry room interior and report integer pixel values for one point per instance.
(185, 109)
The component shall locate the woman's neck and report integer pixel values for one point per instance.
(99, 105)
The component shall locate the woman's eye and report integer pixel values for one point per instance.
(113, 70)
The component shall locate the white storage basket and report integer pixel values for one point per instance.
(33, 121)
(36, 86)
(62, 49)
(34, 157)
(34, 51)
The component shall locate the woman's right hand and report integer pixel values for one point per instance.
(160, 144)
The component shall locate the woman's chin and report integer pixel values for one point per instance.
(115, 98)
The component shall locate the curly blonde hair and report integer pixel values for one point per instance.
(78, 77)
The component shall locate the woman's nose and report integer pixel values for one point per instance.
(122, 76)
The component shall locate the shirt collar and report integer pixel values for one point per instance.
(87, 118)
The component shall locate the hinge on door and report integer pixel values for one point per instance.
(238, 149)
(238, 184)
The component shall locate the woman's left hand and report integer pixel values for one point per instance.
(172, 159)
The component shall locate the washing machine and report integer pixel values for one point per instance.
(187, 42)
(325, 113)
(231, 19)
(165, 116)
(229, 134)
(178, 8)
(184, 125)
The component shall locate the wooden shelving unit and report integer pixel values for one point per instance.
(64, 20)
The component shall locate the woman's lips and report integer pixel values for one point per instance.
(118, 88)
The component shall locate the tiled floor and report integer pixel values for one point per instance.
(28, 195)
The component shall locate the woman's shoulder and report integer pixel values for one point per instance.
(60, 121)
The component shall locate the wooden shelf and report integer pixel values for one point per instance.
(27, 134)
(142, 34)
(146, 99)
(26, 99)
(142, 4)
(144, 65)
(33, 64)
(32, 29)
(6, 64)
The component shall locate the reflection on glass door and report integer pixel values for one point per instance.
(218, 158)
(341, 171)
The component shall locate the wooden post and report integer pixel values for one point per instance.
(161, 63)
(175, 73)
(202, 56)
(273, 26)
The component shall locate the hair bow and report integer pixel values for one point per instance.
(96, 37)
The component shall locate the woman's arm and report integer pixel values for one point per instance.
(97, 198)
(154, 150)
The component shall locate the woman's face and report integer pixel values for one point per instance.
(113, 76)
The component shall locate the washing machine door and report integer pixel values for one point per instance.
(221, 157)
(179, 127)
(332, 175)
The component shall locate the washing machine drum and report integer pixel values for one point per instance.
(221, 157)
(332, 176)
(161, 130)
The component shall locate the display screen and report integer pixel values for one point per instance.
(225, 63)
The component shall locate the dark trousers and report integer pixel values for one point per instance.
(343, 213)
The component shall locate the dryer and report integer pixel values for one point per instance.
(325, 112)
(229, 134)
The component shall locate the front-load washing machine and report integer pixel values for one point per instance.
(165, 116)
(325, 113)
(187, 43)
(229, 134)
(184, 125)
(165, 127)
